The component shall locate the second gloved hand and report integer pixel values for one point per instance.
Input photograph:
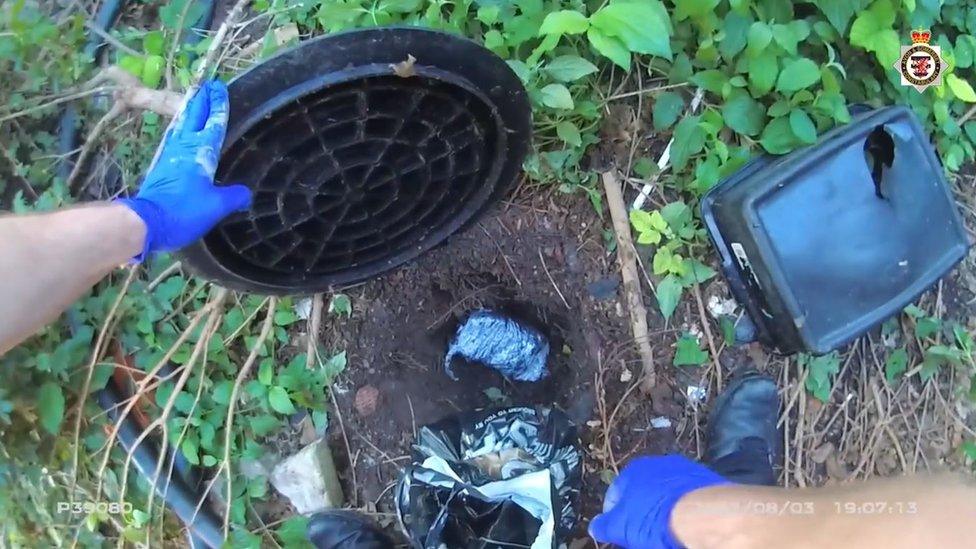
(178, 200)
(637, 508)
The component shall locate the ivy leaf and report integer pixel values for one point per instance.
(667, 107)
(668, 295)
(777, 137)
(280, 401)
(50, 406)
(643, 26)
(802, 126)
(798, 74)
(689, 140)
(736, 27)
(191, 450)
(763, 70)
(567, 68)
(564, 22)
(872, 30)
(557, 96)
(340, 305)
(266, 371)
(568, 132)
(696, 271)
(896, 364)
(960, 88)
(743, 114)
(221, 392)
(688, 352)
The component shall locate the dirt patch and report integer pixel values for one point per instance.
(544, 261)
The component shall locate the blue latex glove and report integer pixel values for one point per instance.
(178, 200)
(637, 507)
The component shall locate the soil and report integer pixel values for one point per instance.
(533, 260)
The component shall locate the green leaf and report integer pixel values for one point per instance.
(280, 401)
(926, 327)
(564, 22)
(667, 107)
(736, 28)
(802, 126)
(693, 8)
(838, 12)
(340, 305)
(568, 68)
(609, 47)
(689, 140)
(688, 352)
(292, 532)
(153, 42)
(896, 364)
(221, 391)
(696, 271)
(965, 51)
(798, 74)
(711, 80)
(960, 88)
(643, 26)
(743, 114)
(819, 372)
(284, 317)
(557, 96)
(872, 30)
(758, 38)
(257, 487)
(209, 461)
(568, 132)
(152, 71)
(668, 295)
(50, 406)
(763, 70)
(191, 450)
(266, 371)
(264, 424)
(132, 64)
(778, 138)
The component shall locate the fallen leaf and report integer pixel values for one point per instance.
(405, 68)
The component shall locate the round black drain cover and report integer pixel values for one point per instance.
(364, 149)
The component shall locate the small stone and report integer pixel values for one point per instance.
(367, 399)
(308, 479)
(626, 375)
(660, 422)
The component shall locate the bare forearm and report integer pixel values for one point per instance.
(49, 260)
(929, 511)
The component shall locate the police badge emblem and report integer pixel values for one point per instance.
(920, 64)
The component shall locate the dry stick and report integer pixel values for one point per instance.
(164, 275)
(96, 354)
(345, 439)
(218, 38)
(198, 348)
(86, 149)
(314, 324)
(241, 376)
(708, 336)
(626, 254)
(142, 385)
(551, 280)
(57, 101)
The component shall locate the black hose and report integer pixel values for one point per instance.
(204, 526)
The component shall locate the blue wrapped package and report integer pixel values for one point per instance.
(519, 352)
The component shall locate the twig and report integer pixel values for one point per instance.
(314, 324)
(554, 285)
(696, 289)
(58, 101)
(96, 354)
(645, 91)
(211, 55)
(86, 150)
(965, 117)
(110, 39)
(175, 266)
(626, 254)
(345, 438)
(500, 252)
(241, 376)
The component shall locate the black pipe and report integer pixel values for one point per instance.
(204, 526)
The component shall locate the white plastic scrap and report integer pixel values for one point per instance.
(661, 422)
(696, 394)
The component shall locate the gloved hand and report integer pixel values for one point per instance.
(637, 507)
(178, 200)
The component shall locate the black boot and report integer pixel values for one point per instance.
(345, 530)
(743, 443)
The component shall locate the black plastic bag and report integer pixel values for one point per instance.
(486, 479)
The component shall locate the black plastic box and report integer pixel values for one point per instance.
(825, 243)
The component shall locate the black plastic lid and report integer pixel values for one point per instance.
(827, 242)
(360, 159)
